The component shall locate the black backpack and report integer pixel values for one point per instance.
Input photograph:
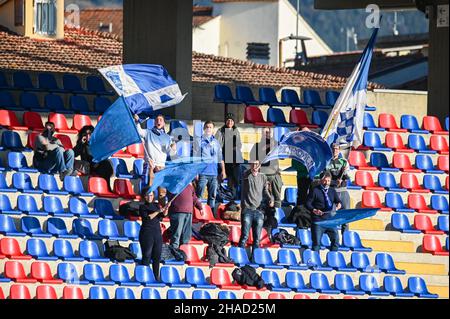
(284, 238)
(247, 276)
(300, 216)
(114, 251)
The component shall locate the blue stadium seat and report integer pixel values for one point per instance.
(418, 287)
(47, 82)
(226, 295)
(417, 143)
(55, 103)
(271, 278)
(18, 162)
(131, 230)
(144, 275)
(337, 261)
(319, 282)
(410, 123)
(222, 94)
(287, 258)
(312, 260)
(201, 294)
(95, 85)
(443, 223)
(11, 141)
(373, 141)
(425, 163)
(74, 186)
(446, 124)
(89, 251)
(290, 196)
(344, 283)
(290, 97)
(175, 294)
(94, 274)
(277, 117)
(331, 97)
(23, 183)
(79, 208)
(7, 101)
(124, 293)
(36, 248)
(4, 188)
(361, 262)
(136, 249)
(57, 227)
(79, 104)
(268, 96)
(54, 207)
(120, 168)
(380, 161)
(319, 118)
(101, 104)
(108, 229)
(439, 203)
(8, 228)
(105, 209)
(48, 184)
(352, 240)
(387, 180)
(386, 264)
(98, 293)
(68, 273)
(395, 201)
(32, 227)
(294, 280)
(72, 84)
(138, 168)
(369, 124)
(312, 98)
(6, 207)
(62, 248)
(171, 277)
(245, 94)
(83, 228)
(263, 258)
(22, 81)
(433, 183)
(305, 237)
(2, 167)
(401, 222)
(29, 101)
(369, 284)
(119, 274)
(150, 293)
(394, 286)
(240, 257)
(196, 277)
(281, 218)
(27, 204)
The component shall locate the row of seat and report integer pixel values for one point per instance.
(46, 82)
(421, 224)
(408, 123)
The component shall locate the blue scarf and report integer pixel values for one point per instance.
(329, 203)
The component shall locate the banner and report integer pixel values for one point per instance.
(346, 216)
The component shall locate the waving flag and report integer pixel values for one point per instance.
(345, 124)
(145, 87)
(307, 147)
(346, 216)
(114, 131)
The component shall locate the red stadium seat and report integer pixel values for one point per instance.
(277, 296)
(325, 297)
(192, 258)
(358, 159)
(99, 187)
(46, 292)
(235, 234)
(11, 249)
(61, 123)
(446, 183)
(254, 116)
(432, 244)
(30, 139)
(299, 118)
(350, 297)
(33, 121)
(439, 144)
(122, 154)
(79, 121)
(302, 296)
(387, 121)
(402, 162)
(207, 215)
(124, 189)
(72, 293)
(372, 200)
(9, 120)
(65, 140)
(2, 295)
(42, 273)
(19, 292)
(136, 150)
(14, 270)
(395, 141)
(221, 278)
(443, 163)
(417, 202)
(365, 180)
(252, 295)
(432, 124)
(410, 182)
(424, 224)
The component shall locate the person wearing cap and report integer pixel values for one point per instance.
(229, 139)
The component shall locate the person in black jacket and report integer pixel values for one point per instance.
(320, 203)
(150, 237)
(104, 168)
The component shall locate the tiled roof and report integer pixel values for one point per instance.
(85, 51)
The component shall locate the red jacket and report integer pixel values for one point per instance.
(185, 202)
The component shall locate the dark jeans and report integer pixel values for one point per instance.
(232, 171)
(344, 196)
(303, 185)
(317, 232)
(151, 245)
(210, 182)
(253, 219)
(276, 184)
(57, 161)
(181, 229)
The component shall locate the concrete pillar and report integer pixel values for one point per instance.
(160, 32)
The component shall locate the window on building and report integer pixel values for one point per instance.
(258, 52)
(19, 8)
(45, 17)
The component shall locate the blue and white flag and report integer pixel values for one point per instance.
(145, 87)
(345, 124)
(307, 147)
(346, 216)
(115, 130)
